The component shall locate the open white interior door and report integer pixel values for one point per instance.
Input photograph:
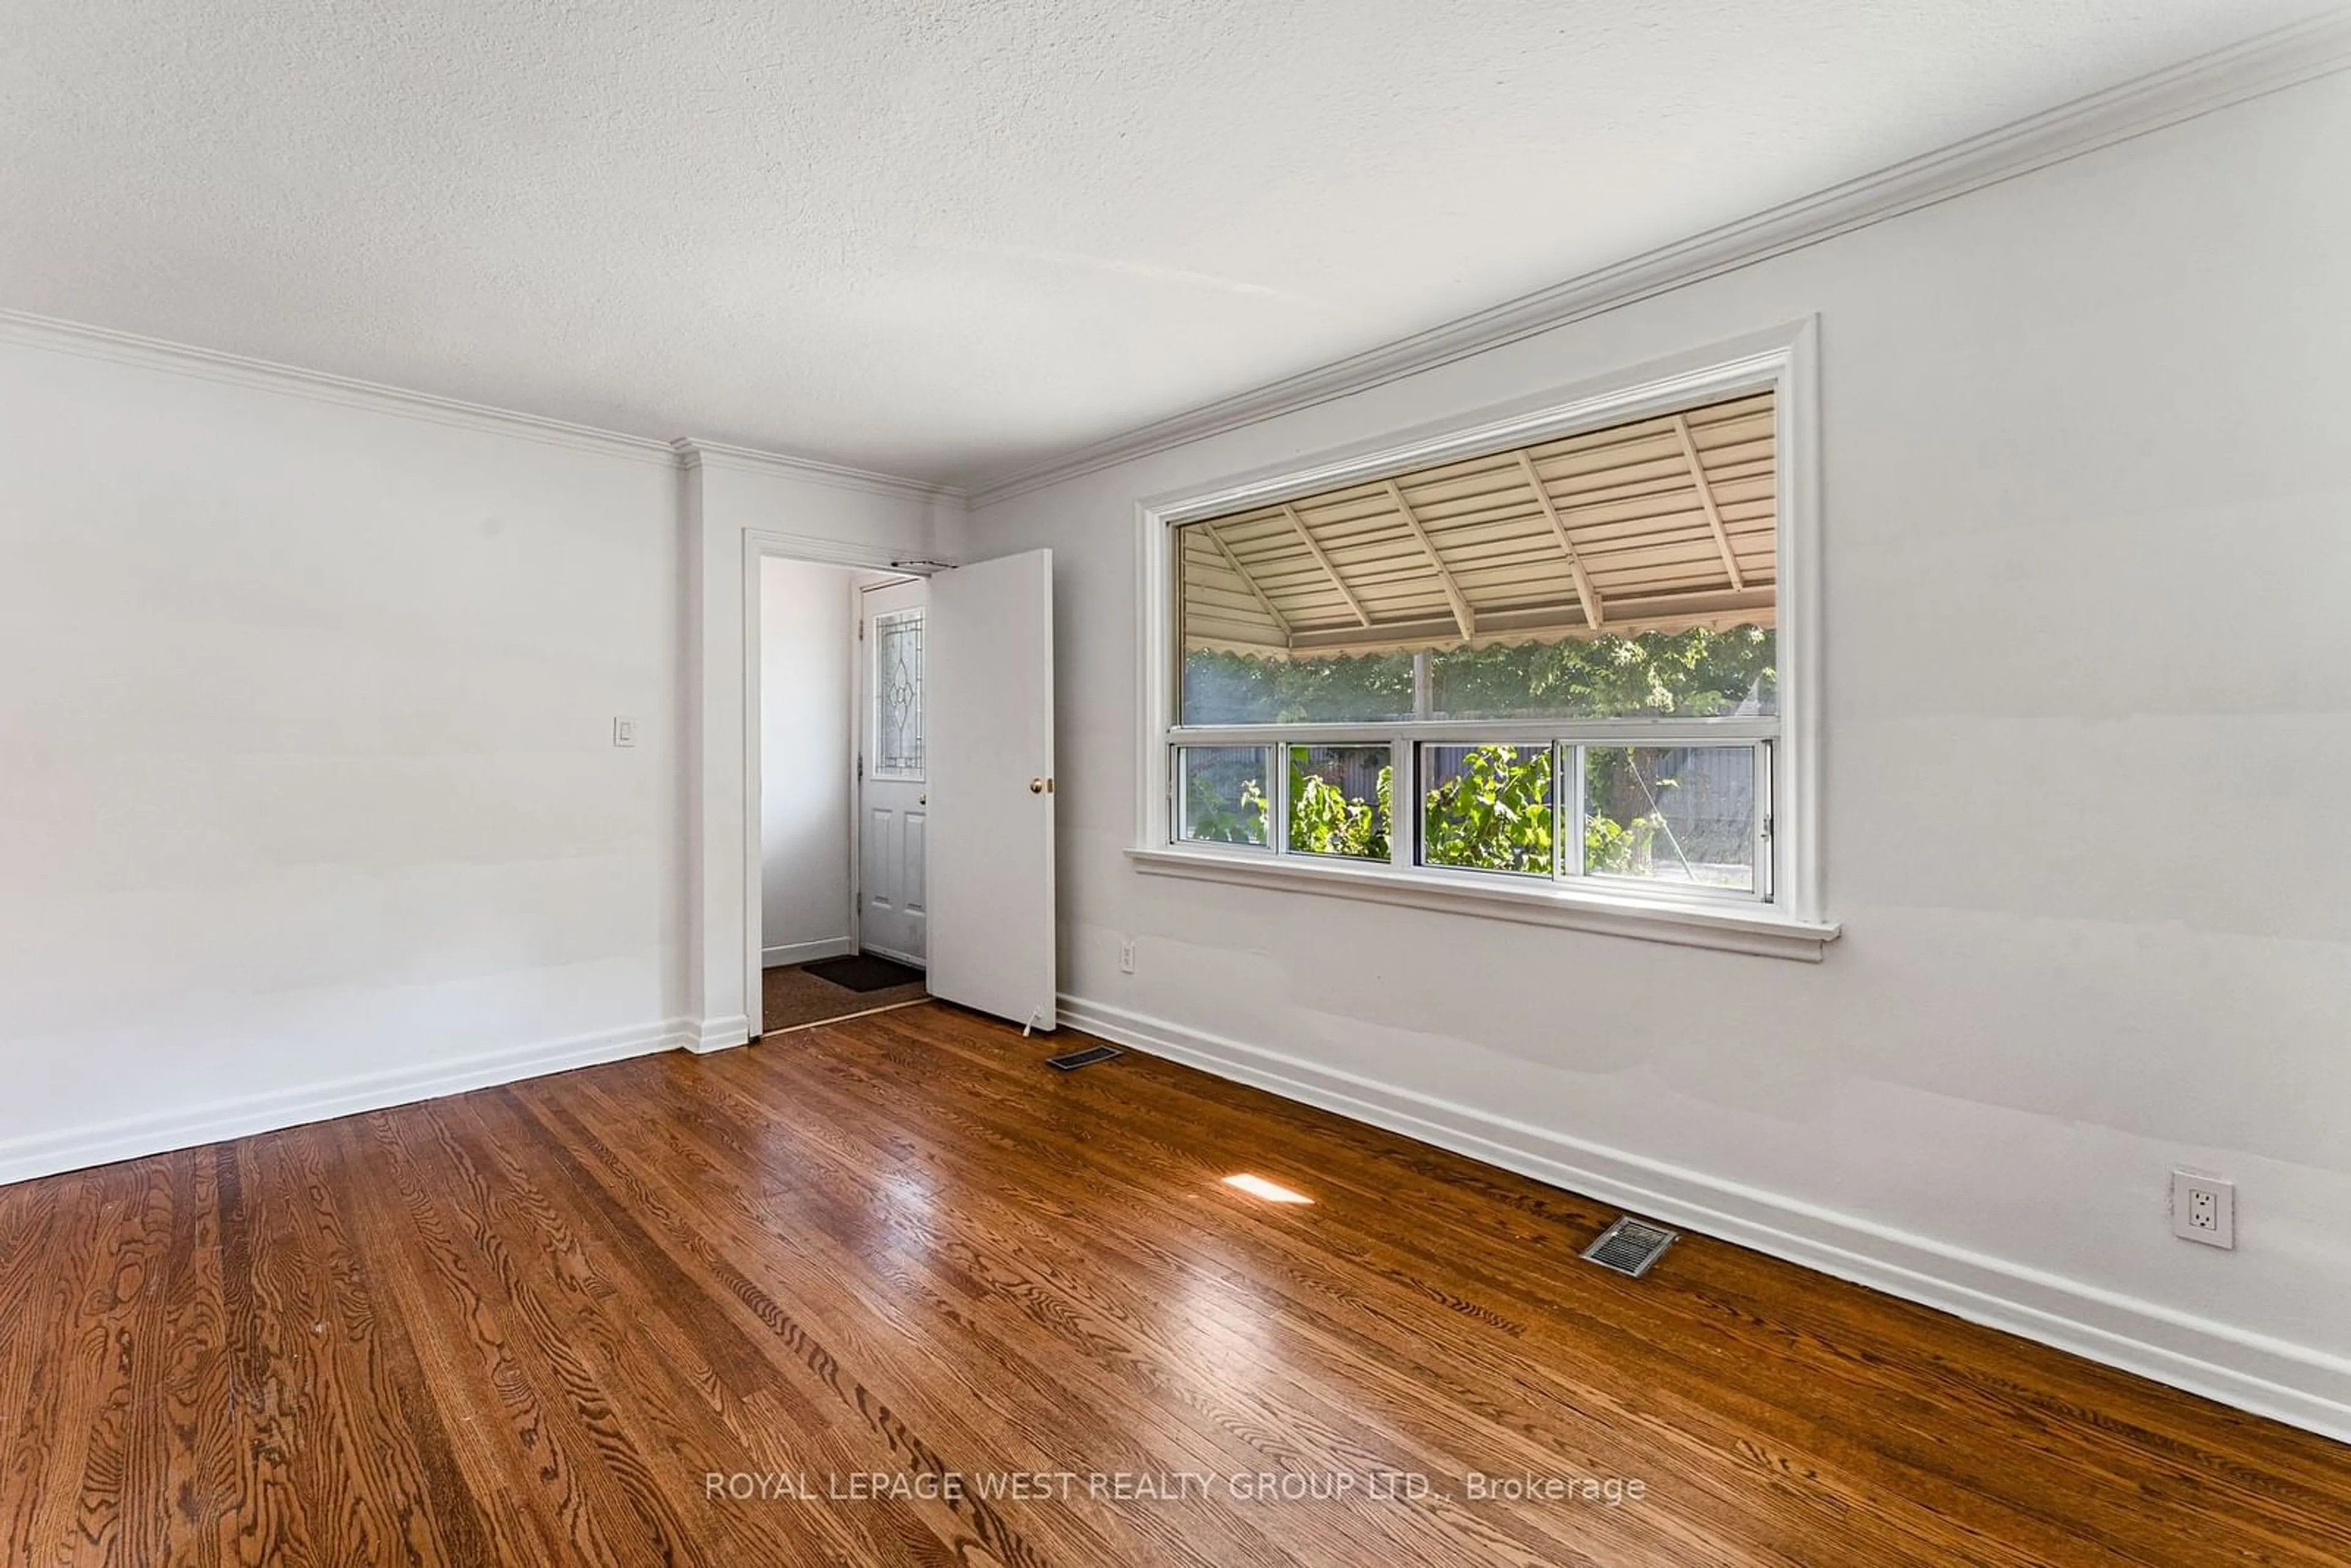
(991, 775)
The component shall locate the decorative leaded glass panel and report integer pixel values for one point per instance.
(898, 694)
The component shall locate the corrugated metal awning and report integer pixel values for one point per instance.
(1657, 525)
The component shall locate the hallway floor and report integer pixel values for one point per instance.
(792, 997)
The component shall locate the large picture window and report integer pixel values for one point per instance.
(1548, 664)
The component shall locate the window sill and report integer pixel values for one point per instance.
(1757, 930)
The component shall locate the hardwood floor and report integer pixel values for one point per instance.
(893, 1261)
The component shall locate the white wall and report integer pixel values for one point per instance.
(2087, 548)
(307, 793)
(808, 632)
(307, 796)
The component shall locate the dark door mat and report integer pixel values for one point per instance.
(864, 972)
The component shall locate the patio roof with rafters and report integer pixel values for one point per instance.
(1657, 525)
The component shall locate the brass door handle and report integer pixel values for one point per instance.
(1036, 786)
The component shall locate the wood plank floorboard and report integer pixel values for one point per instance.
(926, 1301)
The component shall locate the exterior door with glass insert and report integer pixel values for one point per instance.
(894, 786)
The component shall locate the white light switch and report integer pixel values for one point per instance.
(624, 732)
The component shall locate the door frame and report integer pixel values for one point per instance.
(758, 545)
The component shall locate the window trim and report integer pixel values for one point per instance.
(1783, 919)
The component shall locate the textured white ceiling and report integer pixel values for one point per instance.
(943, 239)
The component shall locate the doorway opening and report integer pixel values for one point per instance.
(843, 792)
(971, 738)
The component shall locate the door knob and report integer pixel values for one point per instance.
(1036, 786)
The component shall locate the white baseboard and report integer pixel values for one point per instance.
(807, 952)
(2296, 1384)
(75, 1148)
(716, 1034)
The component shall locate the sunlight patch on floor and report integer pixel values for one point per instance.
(1272, 1192)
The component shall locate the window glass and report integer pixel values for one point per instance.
(1693, 674)
(898, 694)
(1221, 789)
(1671, 814)
(1337, 801)
(1222, 686)
(1487, 808)
(1619, 572)
(1556, 660)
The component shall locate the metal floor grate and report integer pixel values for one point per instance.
(1629, 1246)
(1086, 1058)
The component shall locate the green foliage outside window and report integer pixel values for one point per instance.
(1496, 813)
(1616, 840)
(1324, 822)
(1696, 673)
(1211, 819)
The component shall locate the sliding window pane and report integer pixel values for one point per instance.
(1222, 797)
(1488, 808)
(1668, 814)
(1337, 801)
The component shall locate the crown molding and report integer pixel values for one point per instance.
(2297, 53)
(694, 454)
(30, 330)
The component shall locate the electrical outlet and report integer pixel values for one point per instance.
(624, 732)
(2203, 1208)
(1127, 955)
